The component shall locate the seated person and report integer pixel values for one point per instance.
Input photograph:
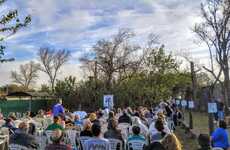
(57, 141)
(136, 135)
(10, 125)
(159, 132)
(125, 118)
(97, 142)
(78, 121)
(86, 128)
(56, 124)
(204, 142)
(155, 146)
(113, 132)
(93, 118)
(21, 137)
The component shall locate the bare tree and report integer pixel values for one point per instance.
(214, 31)
(114, 57)
(52, 61)
(28, 73)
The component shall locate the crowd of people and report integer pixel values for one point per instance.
(140, 128)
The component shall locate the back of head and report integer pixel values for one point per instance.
(159, 125)
(111, 114)
(56, 119)
(56, 136)
(87, 124)
(96, 129)
(155, 146)
(171, 142)
(92, 116)
(136, 130)
(204, 141)
(23, 126)
(222, 124)
(112, 124)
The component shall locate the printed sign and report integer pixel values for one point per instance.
(212, 107)
(191, 104)
(108, 101)
(177, 102)
(184, 103)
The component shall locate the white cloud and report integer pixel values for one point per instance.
(66, 23)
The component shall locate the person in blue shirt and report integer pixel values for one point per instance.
(136, 135)
(58, 109)
(219, 137)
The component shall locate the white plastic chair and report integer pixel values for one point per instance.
(17, 147)
(124, 127)
(114, 144)
(71, 135)
(48, 134)
(82, 140)
(136, 145)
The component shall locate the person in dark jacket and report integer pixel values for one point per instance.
(21, 137)
(204, 142)
(112, 131)
(125, 118)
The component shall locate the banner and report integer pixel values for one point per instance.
(212, 107)
(191, 104)
(108, 101)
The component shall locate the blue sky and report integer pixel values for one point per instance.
(77, 24)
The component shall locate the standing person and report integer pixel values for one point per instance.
(58, 109)
(220, 107)
(97, 142)
(219, 137)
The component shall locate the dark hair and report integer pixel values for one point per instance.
(96, 129)
(56, 118)
(204, 141)
(136, 130)
(32, 129)
(159, 125)
(155, 146)
(111, 114)
(222, 124)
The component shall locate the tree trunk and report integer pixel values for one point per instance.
(226, 89)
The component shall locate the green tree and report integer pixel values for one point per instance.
(66, 89)
(10, 23)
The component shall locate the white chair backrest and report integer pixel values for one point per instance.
(217, 148)
(114, 143)
(17, 147)
(83, 139)
(124, 127)
(48, 135)
(71, 135)
(136, 145)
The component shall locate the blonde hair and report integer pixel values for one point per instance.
(87, 124)
(171, 142)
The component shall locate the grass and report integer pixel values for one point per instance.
(200, 121)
